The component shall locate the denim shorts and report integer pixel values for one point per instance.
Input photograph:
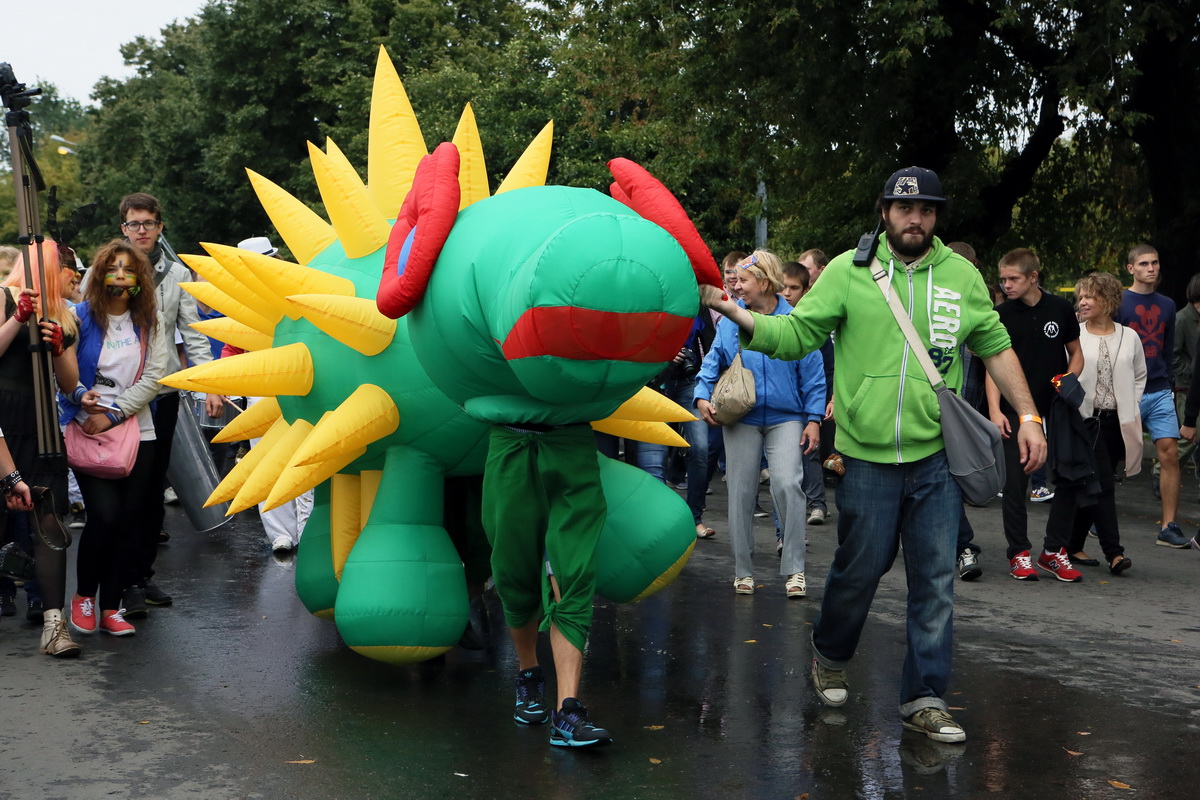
(1158, 415)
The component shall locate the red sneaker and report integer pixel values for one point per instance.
(113, 622)
(1021, 566)
(1059, 566)
(83, 614)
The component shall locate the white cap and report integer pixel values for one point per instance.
(258, 244)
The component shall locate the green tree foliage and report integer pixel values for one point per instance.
(49, 114)
(1052, 122)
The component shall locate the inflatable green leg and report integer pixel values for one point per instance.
(316, 583)
(403, 596)
(647, 537)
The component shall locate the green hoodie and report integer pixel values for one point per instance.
(880, 417)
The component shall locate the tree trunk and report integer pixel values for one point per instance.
(1168, 92)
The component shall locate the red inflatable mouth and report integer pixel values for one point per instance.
(584, 334)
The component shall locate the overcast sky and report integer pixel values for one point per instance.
(86, 37)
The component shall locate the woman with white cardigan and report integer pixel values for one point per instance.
(1114, 376)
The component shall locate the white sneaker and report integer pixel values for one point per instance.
(816, 516)
(795, 585)
(282, 544)
(764, 475)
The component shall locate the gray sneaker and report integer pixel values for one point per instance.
(968, 565)
(936, 724)
(1171, 536)
(830, 684)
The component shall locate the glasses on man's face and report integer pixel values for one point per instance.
(138, 225)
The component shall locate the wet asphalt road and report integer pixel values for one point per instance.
(237, 692)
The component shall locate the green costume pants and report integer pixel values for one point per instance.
(542, 501)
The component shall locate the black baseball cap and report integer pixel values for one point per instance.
(914, 183)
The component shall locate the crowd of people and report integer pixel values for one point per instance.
(837, 400)
(113, 331)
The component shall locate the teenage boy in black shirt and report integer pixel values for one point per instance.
(1045, 337)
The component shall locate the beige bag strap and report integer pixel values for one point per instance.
(910, 333)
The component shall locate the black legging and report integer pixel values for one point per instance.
(145, 548)
(1109, 449)
(116, 510)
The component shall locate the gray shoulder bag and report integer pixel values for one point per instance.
(973, 445)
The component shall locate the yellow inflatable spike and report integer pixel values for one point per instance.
(232, 484)
(230, 331)
(651, 406)
(213, 297)
(302, 229)
(396, 145)
(286, 370)
(353, 321)
(297, 478)
(364, 417)
(262, 480)
(368, 489)
(472, 171)
(219, 275)
(252, 423)
(285, 278)
(360, 227)
(534, 163)
(267, 303)
(668, 577)
(652, 432)
(345, 518)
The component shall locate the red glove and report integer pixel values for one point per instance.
(52, 333)
(24, 308)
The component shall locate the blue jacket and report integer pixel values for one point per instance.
(785, 391)
(136, 399)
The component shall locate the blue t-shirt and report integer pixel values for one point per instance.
(1153, 317)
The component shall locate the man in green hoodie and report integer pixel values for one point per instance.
(897, 489)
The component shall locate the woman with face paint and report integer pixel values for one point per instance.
(122, 352)
(18, 416)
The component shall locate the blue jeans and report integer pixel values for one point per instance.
(881, 506)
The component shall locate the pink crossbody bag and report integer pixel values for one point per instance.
(109, 454)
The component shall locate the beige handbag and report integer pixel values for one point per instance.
(734, 394)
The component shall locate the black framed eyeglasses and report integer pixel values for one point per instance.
(137, 225)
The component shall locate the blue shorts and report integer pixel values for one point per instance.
(1158, 415)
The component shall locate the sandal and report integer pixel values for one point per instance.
(1119, 565)
(743, 585)
(704, 532)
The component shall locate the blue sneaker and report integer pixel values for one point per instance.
(531, 691)
(1171, 536)
(572, 728)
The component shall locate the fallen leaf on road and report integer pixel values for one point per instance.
(750, 641)
(1119, 785)
(767, 625)
(144, 722)
(302, 761)
(654, 727)
(1073, 752)
(956, 708)
(1176, 641)
(1084, 733)
(461, 774)
(656, 761)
